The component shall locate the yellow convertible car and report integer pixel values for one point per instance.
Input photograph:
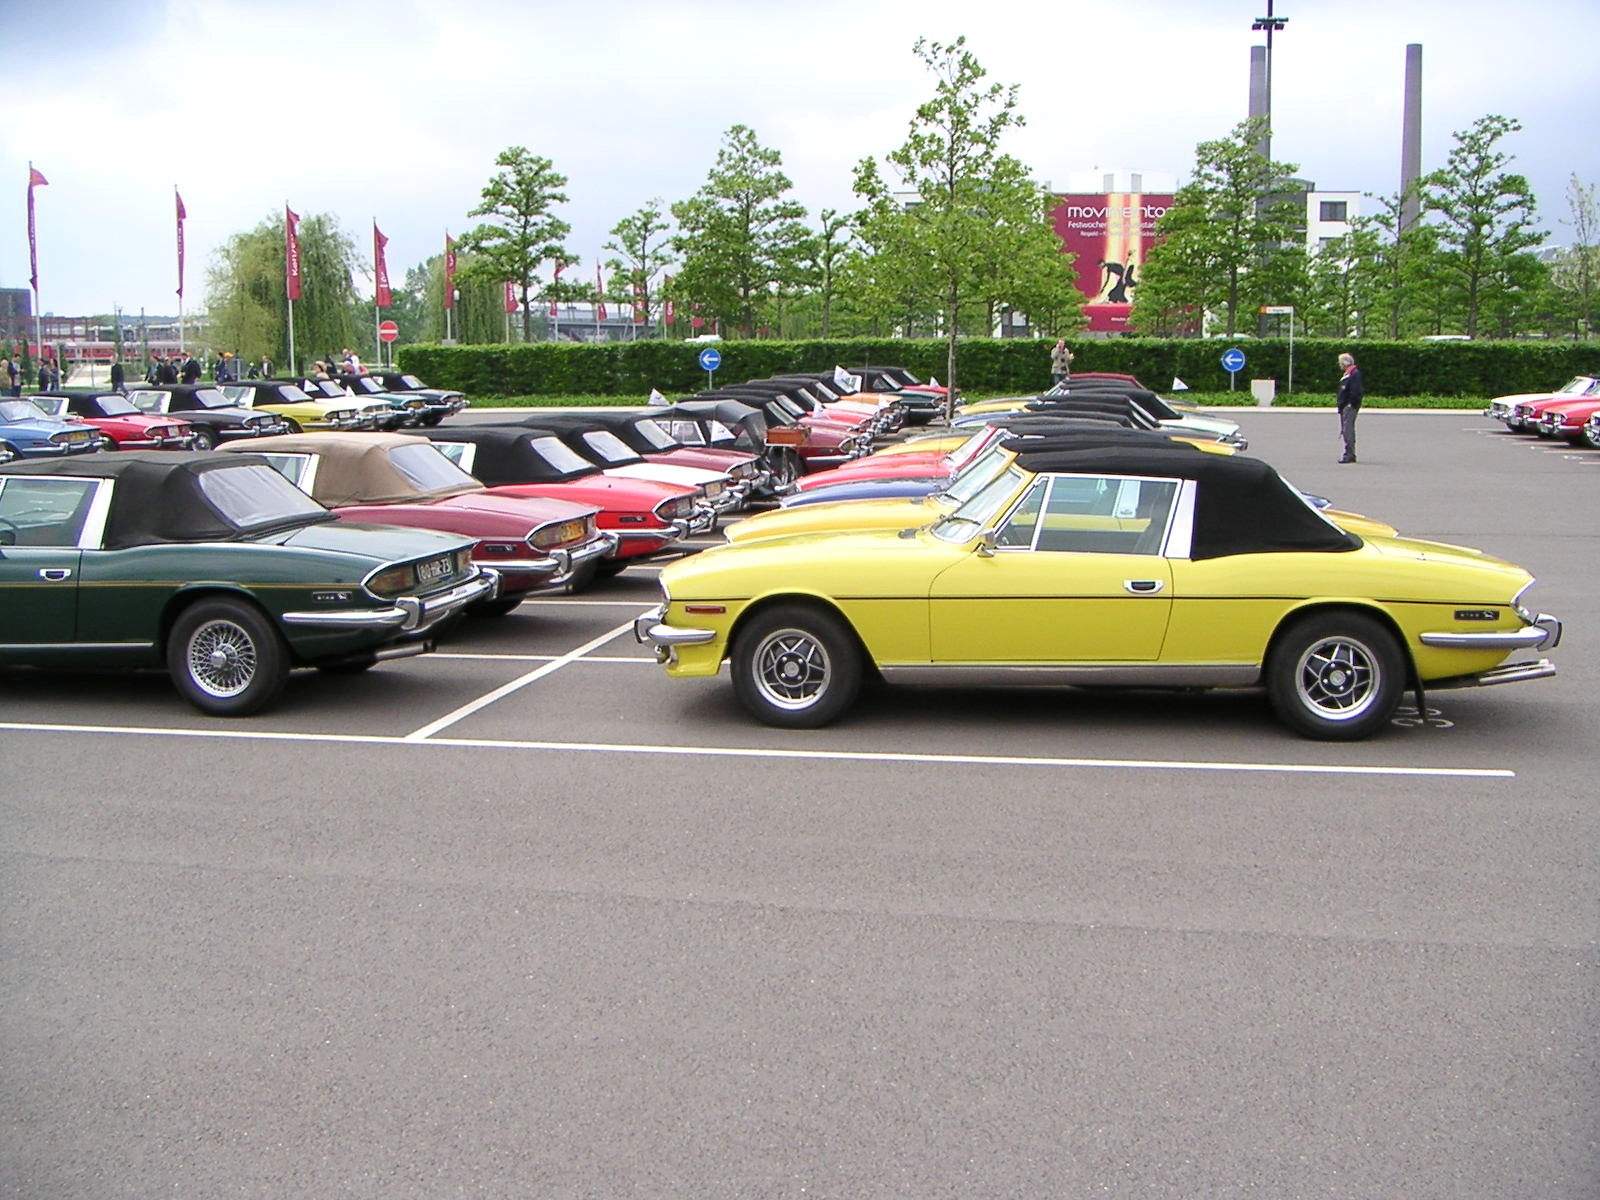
(1108, 567)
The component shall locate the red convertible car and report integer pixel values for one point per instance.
(533, 544)
(646, 516)
(114, 415)
(1569, 420)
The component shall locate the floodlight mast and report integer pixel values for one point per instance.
(1270, 24)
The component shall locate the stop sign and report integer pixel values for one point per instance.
(388, 332)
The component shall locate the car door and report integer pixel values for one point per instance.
(42, 519)
(1073, 573)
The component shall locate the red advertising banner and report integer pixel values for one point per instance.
(511, 297)
(554, 309)
(669, 310)
(600, 295)
(35, 179)
(182, 213)
(1110, 234)
(449, 271)
(383, 297)
(639, 313)
(291, 250)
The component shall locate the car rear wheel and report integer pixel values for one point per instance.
(796, 667)
(226, 658)
(204, 439)
(294, 426)
(1336, 676)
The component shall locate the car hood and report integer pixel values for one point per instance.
(45, 426)
(857, 515)
(881, 563)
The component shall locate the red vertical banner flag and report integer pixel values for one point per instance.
(182, 213)
(449, 271)
(554, 303)
(668, 311)
(638, 304)
(382, 297)
(291, 251)
(35, 179)
(599, 295)
(511, 297)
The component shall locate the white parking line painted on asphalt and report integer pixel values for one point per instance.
(743, 752)
(522, 681)
(637, 605)
(593, 658)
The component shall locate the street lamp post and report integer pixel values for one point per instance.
(1270, 24)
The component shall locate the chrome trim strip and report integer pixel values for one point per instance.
(1094, 675)
(649, 631)
(1544, 633)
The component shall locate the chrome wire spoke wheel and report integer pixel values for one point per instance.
(1338, 678)
(222, 658)
(793, 669)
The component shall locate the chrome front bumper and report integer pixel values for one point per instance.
(648, 630)
(1543, 634)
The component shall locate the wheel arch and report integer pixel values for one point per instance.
(809, 600)
(201, 592)
(1321, 608)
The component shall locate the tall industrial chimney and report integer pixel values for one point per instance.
(1258, 95)
(1411, 140)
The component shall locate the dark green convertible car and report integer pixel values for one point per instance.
(215, 565)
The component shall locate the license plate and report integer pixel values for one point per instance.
(571, 531)
(434, 568)
(77, 439)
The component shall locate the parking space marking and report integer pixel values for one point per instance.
(593, 658)
(522, 681)
(748, 752)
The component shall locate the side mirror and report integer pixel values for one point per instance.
(986, 545)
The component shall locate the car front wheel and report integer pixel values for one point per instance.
(796, 667)
(226, 658)
(1336, 677)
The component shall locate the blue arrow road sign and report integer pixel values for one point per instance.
(1233, 360)
(711, 358)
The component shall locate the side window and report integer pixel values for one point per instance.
(1107, 516)
(298, 469)
(1023, 523)
(43, 512)
(687, 432)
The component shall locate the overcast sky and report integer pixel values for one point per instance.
(395, 109)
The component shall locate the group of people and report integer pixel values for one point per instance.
(347, 363)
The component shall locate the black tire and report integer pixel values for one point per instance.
(432, 418)
(796, 667)
(226, 658)
(1336, 677)
(204, 439)
(294, 426)
(495, 608)
(6, 452)
(785, 469)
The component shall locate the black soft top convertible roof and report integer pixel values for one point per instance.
(158, 496)
(1243, 505)
(505, 453)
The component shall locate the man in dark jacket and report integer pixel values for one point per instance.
(1349, 404)
(119, 376)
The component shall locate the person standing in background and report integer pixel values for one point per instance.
(119, 377)
(1060, 362)
(1349, 404)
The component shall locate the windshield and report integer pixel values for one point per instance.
(974, 516)
(412, 382)
(978, 474)
(363, 383)
(559, 455)
(658, 437)
(608, 446)
(969, 450)
(287, 392)
(254, 494)
(786, 405)
(50, 406)
(20, 410)
(427, 469)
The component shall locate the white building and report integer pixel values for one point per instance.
(1329, 215)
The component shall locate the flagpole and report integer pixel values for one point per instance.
(38, 338)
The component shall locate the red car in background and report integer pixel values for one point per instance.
(646, 516)
(115, 416)
(1569, 420)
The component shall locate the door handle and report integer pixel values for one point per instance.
(1143, 587)
(55, 574)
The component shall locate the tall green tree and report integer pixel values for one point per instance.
(950, 159)
(522, 231)
(1484, 216)
(1577, 267)
(740, 240)
(640, 241)
(248, 303)
(825, 253)
(1230, 241)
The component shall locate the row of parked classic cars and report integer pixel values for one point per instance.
(223, 564)
(1570, 413)
(1095, 535)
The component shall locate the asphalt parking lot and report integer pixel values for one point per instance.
(527, 918)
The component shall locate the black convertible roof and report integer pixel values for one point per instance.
(1243, 505)
(158, 496)
(506, 454)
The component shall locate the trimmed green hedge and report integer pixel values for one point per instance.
(1465, 369)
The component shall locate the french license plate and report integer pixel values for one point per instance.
(434, 568)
